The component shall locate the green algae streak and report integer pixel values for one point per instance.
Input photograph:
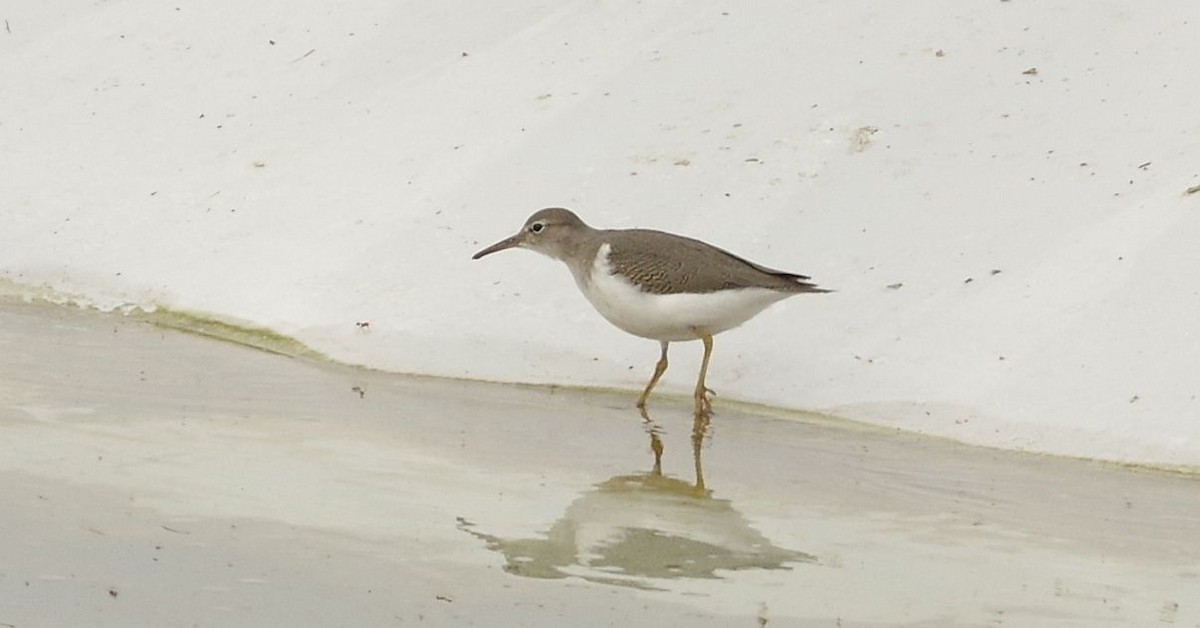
(238, 333)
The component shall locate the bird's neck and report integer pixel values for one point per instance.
(581, 256)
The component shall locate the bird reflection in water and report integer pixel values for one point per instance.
(630, 528)
(700, 421)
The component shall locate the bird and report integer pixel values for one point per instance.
(658, 285)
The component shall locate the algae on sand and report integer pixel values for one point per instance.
(238, 333)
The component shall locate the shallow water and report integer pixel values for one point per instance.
(157, 478)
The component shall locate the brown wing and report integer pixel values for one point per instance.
(662, 263)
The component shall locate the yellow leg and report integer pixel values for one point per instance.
(703, 404)
(659, 369)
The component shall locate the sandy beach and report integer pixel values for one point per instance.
(158, 478)
(1004, 195)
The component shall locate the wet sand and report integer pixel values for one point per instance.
(157, 478)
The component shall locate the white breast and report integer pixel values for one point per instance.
(668, 317)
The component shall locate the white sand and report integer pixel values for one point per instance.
(996, 189)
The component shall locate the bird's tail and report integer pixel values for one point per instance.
(801, 284)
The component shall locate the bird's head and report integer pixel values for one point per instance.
(548, 231)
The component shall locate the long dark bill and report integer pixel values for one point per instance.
(506, 243)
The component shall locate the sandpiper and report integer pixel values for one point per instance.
(657, 285)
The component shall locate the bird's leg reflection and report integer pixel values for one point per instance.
(700, 423)
(654, 430)
(699, 431)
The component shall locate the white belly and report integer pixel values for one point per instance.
(668, 317)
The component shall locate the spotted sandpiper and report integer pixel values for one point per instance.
(657, 285)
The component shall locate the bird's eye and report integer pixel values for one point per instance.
(537, 227)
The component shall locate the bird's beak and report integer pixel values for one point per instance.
(506, 243)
